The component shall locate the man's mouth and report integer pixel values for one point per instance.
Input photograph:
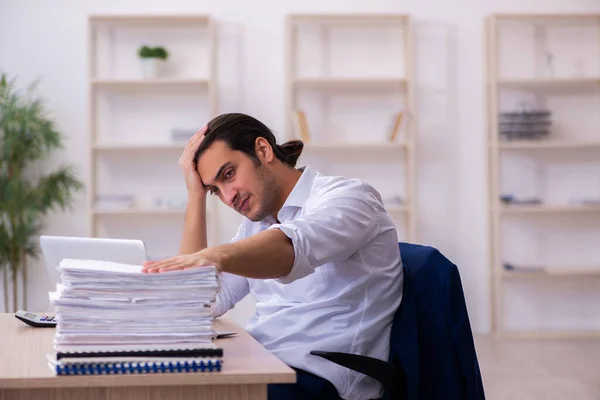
(243, 204)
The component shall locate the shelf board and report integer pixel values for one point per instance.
(553, 272)
(139, 147)
(548, 16)
(348, 83)
(150, 83)
(354, 146)
(165, 19)
(552, 82)
(351, 18)
(548, 144)
(549, 334)
(141, 211)
(548, 209)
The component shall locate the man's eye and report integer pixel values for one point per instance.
(229, 174)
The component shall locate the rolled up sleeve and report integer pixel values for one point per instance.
(333, 228)
(233, 288)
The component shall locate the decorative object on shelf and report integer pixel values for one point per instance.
(550, 63)
(114, 202)
(182, 134)
(27, 194)
(401, 121)
(515, 268)
(170, 202)
(395, 200)
(524, 124)
(301, 126)
(511, 199)
(152, 59)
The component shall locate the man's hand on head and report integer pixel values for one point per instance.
(186, 162)
(177, 263)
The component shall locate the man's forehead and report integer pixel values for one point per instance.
(217, 147)
(216, 155)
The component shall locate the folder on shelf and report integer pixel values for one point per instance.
(301, 126)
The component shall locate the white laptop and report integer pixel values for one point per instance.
(57, 248)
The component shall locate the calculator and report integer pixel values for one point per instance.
(39, 321)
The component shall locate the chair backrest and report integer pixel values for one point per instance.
(431, 334)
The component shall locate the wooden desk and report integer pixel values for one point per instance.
(25, 374)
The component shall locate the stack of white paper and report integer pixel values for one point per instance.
(104, 305)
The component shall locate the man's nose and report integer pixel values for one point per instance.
(230, 197)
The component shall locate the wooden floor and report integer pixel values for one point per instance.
(539, 370)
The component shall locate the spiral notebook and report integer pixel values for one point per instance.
(130, 366)
(136, 362)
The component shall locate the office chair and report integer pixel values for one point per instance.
(432, 352)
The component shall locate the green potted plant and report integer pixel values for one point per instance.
(28, 192)
(152, 59)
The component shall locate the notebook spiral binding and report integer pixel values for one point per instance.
(130, 368)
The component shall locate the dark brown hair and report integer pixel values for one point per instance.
(240, 132)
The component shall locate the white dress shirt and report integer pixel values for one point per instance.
(343, 288)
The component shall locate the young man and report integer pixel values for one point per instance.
(318, 253)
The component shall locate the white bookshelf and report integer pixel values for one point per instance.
(131, 115)
(550, 62)
(336, 90)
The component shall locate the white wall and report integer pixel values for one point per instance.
(48, 39)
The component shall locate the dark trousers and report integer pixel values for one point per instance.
(307, 386)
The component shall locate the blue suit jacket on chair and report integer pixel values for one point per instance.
(431, 335)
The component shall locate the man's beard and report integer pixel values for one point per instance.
(269, 193)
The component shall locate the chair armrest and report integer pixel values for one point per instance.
(390, 376)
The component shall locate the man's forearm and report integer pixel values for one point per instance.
(266, 255)
(194, 229)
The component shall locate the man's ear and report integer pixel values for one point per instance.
(263, 150)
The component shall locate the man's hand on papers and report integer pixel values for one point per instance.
(181, 262)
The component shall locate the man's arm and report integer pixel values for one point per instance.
(194, 227)
(268, 254)
(233, 289)
(335, 228)
(332, 230)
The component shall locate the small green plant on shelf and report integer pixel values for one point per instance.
(152, 59)
(153, 52)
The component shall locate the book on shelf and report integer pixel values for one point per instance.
(301, 126)
(400, 122)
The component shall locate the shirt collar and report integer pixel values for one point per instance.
(301, 191)
(297, 197)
